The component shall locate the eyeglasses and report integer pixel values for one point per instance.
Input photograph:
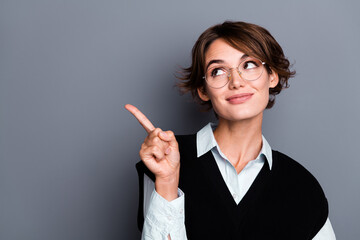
(250, 69)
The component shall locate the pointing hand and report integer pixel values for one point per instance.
(160, 153)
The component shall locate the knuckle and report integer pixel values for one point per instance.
(155, 149)
(156, 131)
(156, 140)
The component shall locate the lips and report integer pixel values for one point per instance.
(239, 98)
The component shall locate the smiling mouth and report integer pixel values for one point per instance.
(239, 98)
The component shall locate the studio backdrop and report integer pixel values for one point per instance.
(68, 147)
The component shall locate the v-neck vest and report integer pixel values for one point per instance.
(285, 202)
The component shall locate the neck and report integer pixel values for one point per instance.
(240, 141)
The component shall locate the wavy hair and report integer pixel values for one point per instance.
(248, 38)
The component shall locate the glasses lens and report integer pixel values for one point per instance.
(217, 77)
(251, 68)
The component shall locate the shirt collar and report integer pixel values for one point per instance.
(205, 141)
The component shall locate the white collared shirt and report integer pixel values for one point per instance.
(163, 218)
(238, 184)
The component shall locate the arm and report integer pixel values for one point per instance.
(160, 154)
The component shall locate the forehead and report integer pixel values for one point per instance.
(221, 50)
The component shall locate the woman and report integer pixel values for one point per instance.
(225, 182)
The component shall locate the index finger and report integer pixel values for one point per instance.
(143, 120)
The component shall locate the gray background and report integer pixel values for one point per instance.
(67, 68)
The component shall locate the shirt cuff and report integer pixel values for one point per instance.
(163, 216)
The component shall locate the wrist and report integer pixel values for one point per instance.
(167, 187)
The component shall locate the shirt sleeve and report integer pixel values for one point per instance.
(162, 218)
(326, 232)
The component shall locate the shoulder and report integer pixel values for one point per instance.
(301, 188)
(296, 178)
(292, 170)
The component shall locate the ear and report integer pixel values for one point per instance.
(202, 94)
(274, 79)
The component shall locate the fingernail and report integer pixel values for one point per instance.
(163, 134)
(167, 151)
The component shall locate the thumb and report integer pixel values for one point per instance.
(169, 137)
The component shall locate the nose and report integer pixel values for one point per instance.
(235, 79)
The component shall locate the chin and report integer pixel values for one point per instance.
(240, 115)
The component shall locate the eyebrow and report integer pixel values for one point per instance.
(222, 61)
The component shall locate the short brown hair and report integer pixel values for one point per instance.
(248, 38)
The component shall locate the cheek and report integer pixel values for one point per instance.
(215, 98)
(263, 92)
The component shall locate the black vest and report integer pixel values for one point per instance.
(285, 202)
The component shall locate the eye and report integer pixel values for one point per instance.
(217, 72)
(250, 64)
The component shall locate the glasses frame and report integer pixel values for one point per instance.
(238, 70)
